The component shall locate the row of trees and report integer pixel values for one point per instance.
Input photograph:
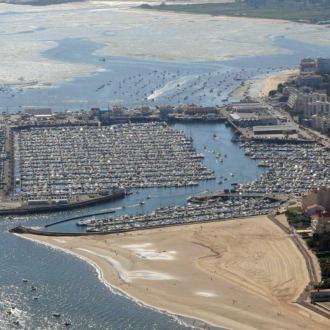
(321, 245)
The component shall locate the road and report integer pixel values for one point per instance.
(302, 299)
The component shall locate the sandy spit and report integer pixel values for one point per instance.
(239, 274)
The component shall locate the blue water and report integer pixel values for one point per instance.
(143, 76)
(69, 285)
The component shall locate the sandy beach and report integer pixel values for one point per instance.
(241, 274)
(261, 86)
(273, 81)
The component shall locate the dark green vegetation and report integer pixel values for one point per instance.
(298, 220)
(320, 244)
(298, 10)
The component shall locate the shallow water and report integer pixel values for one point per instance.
(69, 285)
(134, 81)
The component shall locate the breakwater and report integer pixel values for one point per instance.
(65, 207)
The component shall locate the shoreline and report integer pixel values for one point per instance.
(262, 85)
(274, 80)
(133, 286)
(179, 318)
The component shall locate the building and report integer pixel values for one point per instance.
(316, 96)
(319, 196)
(104, 115)
(309, 199)
(320, 223)
(195, 110)
(118, 111)
(252, 119)
(320, 123)
(296, 101)
(314, 209)
(323, 197)
(146, 111)
(317, 108)
(165, 110)
(309, 103)
(276, 129)
(323, 64)
(307, 65)
(38, 111)
(308, 79)
(247, 107)
(249, 114)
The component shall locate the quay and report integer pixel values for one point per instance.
(227, 196)
(83, 216)
(49, 167)
(23, 209)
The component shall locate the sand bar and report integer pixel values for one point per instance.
(239, 274)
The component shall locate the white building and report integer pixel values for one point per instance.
(309, 103)
(317, 108)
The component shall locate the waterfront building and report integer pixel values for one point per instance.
(196, 110)
(247, 107)
(275, 129)
(251, 119)
(38, 111)
(165, 110)
(249, 114)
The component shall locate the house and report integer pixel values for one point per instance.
(314, 209)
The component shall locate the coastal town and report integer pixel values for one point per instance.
(58, 161)
(165, 165)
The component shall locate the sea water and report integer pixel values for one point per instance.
(69, 285)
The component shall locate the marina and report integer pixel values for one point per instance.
(87, 160)
(202, 135)
(77, 290)
(291, 168)
(175, 215)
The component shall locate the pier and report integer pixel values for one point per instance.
(24, 208)
(227, 196)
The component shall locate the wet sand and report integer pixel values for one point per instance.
(261, 86)
(273, 81)
(239, 274)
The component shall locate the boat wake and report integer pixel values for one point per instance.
(171, 85)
